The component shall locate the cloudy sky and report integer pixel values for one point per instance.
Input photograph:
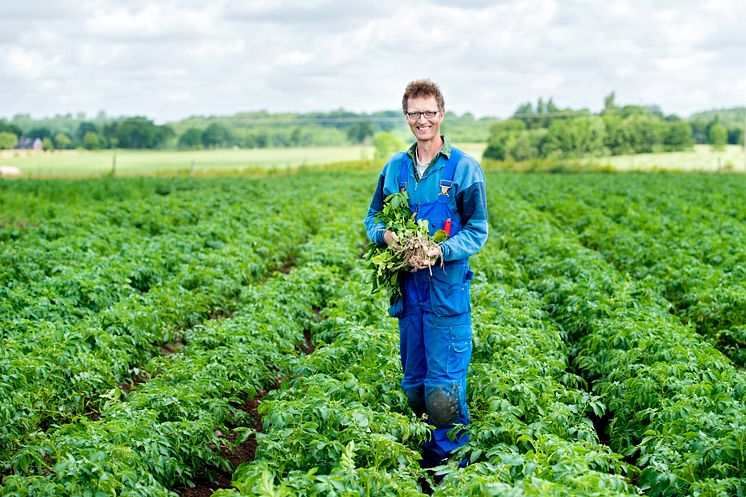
(173, 59)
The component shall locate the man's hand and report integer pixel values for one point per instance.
(432, 257)
(391, 239)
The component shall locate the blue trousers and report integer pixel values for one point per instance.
(435, 352)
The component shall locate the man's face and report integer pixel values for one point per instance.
(423, 128)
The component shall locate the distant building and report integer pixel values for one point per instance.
(29, 144)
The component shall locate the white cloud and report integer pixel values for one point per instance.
(27, 64)
(174, 58)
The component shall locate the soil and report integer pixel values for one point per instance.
(307, 347)
(245, 451)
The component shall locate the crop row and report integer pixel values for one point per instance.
(693, 254)
(342, 426)
(677, 404)
(167, 430)
(89, 297)
(545, 308)
(532, 431)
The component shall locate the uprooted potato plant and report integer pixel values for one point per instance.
(411, 251)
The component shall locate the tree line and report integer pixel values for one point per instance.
(543, 130)
(259, 129)
(547, 131)
(66, 133)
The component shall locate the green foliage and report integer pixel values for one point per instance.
(676, 403)
(192, 139)
(6, 127)
(359, 132)
(40, 132)
(689, 241)
(62, 141)
(550, 132)
(718, 137)
(386, 263)
(511, 141)
(386, 144)
(92, 140)
(732, 119)
(216, 135)
(141, 132)
(588, 374)
(678, 136)
(7, 139)
(581, 136)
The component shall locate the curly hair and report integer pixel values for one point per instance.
(423, 88)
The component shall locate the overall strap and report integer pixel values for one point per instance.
(446, 181)
(403, 172)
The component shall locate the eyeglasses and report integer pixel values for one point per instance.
(429, 114)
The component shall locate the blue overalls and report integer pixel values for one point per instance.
(435, 328)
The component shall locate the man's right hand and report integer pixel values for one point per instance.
(391, 239)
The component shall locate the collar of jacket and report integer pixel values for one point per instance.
(445, 150)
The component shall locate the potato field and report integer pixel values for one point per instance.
(165, 337)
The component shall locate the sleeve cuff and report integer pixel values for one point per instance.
(379, 236)
(445, 250)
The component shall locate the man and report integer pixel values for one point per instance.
(446, 187)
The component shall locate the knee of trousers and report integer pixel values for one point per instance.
(416, 399)
(444, 404)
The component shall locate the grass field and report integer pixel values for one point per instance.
(701, 158)
(78, 163)
(146, 162)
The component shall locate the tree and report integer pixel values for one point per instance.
(525, 145)
(385, 143)
(718, 137)
(524, 113)
(551, 106)
(644, 132)
(575, 137)
(83, 128)
(138, 132)
(616, 141)
(8, 139)
(47, 144)
(5, 126)
(735, 136)
(192, 138)
(216, 135)
(109, 134)
(610, 107)
(91, 140)
(503, 138)
(39, 132)
(358, 132)
(678, 136)
(163, 135)
(62, 140)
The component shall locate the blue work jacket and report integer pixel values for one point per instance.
(466, 200)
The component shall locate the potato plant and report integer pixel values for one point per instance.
(138, 315)
(677, 404)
